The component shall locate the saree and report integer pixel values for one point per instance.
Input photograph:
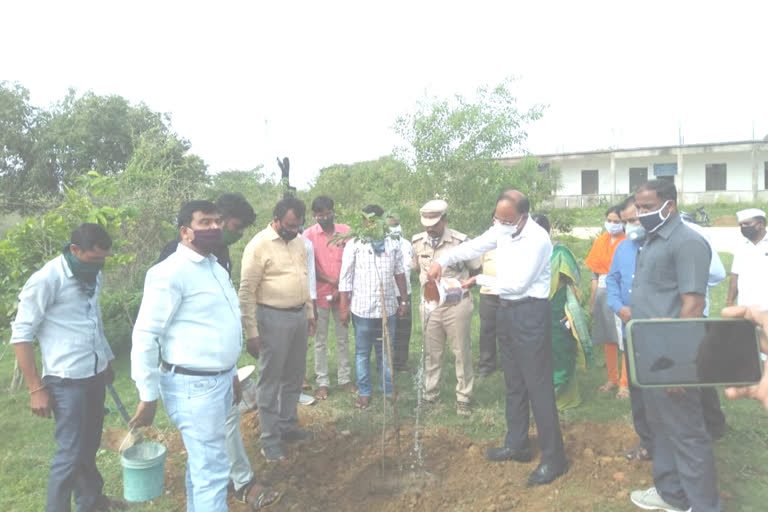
(571, 343)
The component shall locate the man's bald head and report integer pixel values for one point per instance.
(518, 199)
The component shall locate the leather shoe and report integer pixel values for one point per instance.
(546, 473)
(502, 453)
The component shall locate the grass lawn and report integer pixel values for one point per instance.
(27, 446)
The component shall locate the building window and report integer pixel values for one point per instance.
(637, 176)
(715, 177)
(589, 182)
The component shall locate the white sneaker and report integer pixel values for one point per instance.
(305, 399)
(650, 499)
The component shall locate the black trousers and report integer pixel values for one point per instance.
(402, 339)
(525, 342)
(78, 408)
(488, 362)
(714, 419)
(683, 462)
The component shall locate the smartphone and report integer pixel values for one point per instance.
(693, 352)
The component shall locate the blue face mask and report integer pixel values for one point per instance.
(652, 221)
(635, 232)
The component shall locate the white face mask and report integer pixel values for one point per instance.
(635, 232)
(396, 229)
(613, 228)
(505, 229)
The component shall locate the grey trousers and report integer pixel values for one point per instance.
(282, 363)
(321, 347)
(525, 342)
(240, 471)
(683, 462)
(78, 409)
(488, 361)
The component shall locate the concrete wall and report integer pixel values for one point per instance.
(691, 178)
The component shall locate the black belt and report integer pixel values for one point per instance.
(516, 302)
(292, 310)
(186, 371)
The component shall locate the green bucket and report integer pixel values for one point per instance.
(143, 471)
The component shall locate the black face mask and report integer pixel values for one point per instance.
(326, 223)
(287, 235)
(750, 232)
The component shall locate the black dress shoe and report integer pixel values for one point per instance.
(546, 473)
(502, 453)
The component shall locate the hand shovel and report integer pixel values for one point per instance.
(133, 436)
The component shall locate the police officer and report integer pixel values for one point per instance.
(451, 321)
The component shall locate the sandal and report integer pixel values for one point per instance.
(623, 394)
(638, 453)
(608, 386)
(321, 393)
(261, 501)
(361, 402)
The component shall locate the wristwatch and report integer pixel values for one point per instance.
(405, 303)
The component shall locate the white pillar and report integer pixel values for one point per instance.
(754, 172)
(680, 176)
(613, 177)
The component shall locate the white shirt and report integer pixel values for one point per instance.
(311, 277)
(716, 267)
(522, 262)
(189, 315)
(65, 320)
(750, 263)
(361, 271)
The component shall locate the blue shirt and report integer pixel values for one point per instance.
(618, 282)
(190, 314)
(64, 320)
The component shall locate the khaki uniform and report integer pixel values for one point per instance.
(448, 321)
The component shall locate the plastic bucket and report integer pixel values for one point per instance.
(143, 471)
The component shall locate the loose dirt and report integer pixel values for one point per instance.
(345, 471)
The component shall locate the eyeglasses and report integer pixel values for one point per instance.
(505, 222)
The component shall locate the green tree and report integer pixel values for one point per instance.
(454, 147)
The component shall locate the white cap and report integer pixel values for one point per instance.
(749, 213)
(432, 212)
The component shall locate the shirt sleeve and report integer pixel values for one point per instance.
(613, 282)
(311, 271)
(38, 294)
(161, 300)
(736, 263)
(102, 336)
(347, 273)
(716, 269)
(470, 250)
(251, 274)
(692, 259)
(399, 267)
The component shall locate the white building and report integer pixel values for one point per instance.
(703, 173)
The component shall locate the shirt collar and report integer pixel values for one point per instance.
(194, 256)
(665, 231)
(271, 233)
(65, 265)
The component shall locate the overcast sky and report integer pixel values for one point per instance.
(323, 81)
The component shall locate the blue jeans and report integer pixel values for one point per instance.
(78, 408)
(368, 335)
(199, 406)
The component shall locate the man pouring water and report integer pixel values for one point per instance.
(524, 330)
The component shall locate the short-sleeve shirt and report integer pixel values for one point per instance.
(750, 263)
(672, 262)
(424, 254)
(327, 258)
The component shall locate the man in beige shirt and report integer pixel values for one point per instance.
(451, 321)
(277, 317)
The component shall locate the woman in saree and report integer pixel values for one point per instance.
(571, 343)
